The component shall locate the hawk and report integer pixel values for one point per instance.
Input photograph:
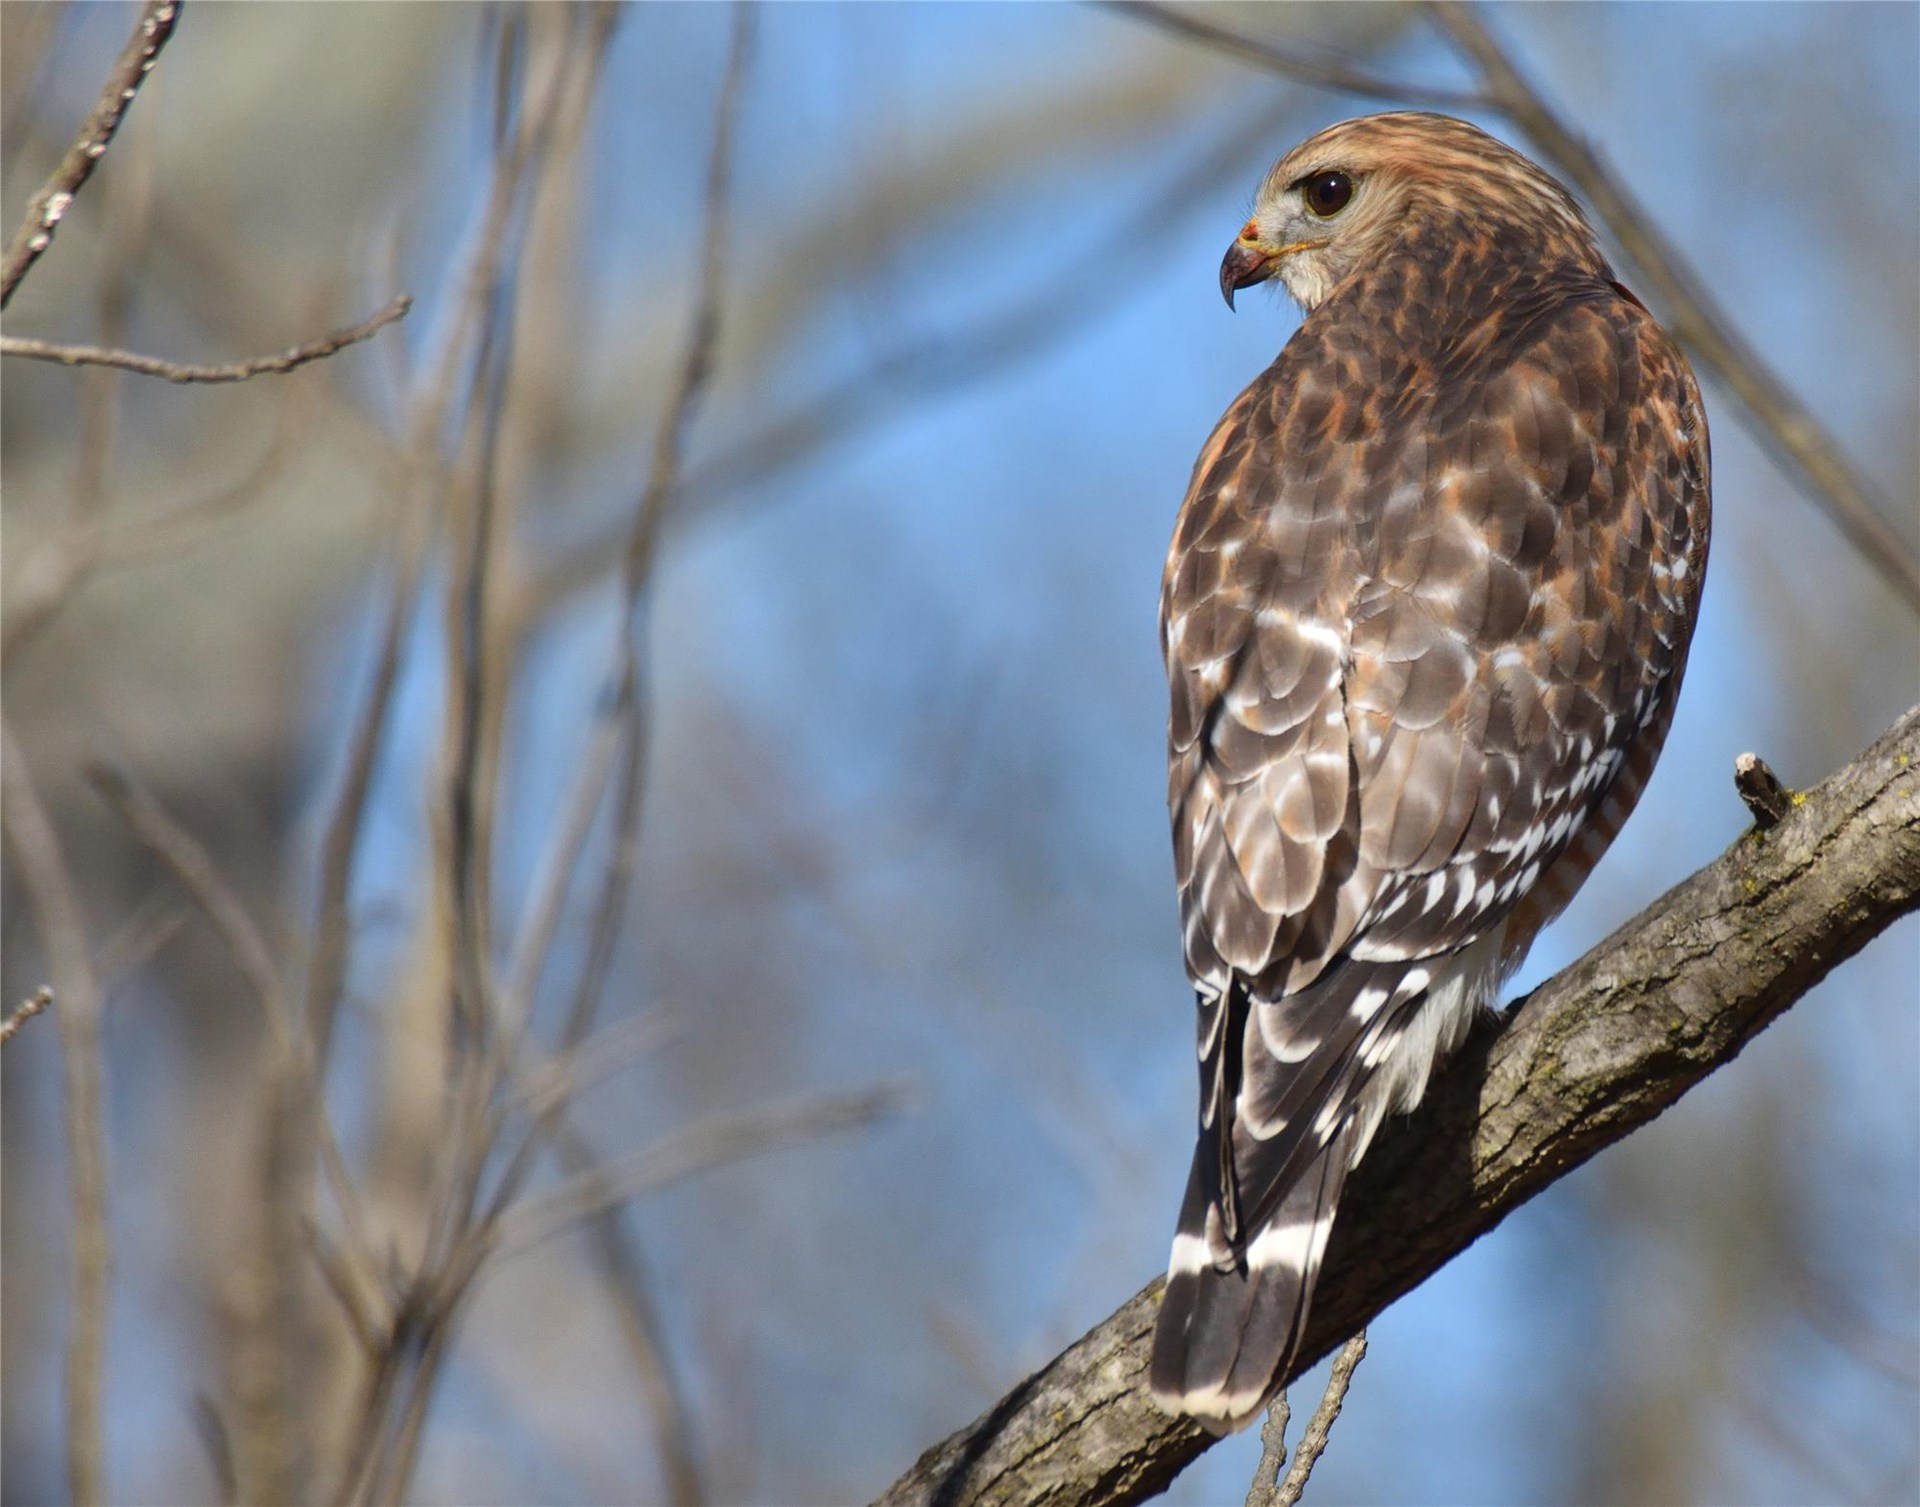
(1424, 617)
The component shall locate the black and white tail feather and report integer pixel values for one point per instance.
(1292, 1092)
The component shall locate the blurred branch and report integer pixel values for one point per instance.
(537, 79)
(1317, 70)
(185, 371)
(1592, 1054)
(56, 912)
(1270, 1491)
(84, 545)
(21, 67)
(718, 1142)
(617, 752)
(294, 1112)
(1779, 418)
(925, 369)
(624, 1270)
(194, 867)
(29, 1007)
(46, 209)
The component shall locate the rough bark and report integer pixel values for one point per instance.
(1590, 1055)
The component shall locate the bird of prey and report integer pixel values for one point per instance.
(1424, 617)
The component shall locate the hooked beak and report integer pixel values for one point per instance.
(1250, 260)
(1247, 262)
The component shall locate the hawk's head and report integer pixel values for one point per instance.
(1354, 194)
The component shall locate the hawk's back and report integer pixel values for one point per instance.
(1424, 618)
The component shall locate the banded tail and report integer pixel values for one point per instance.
(1292, 1092)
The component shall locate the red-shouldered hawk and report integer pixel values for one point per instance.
(1424, 617)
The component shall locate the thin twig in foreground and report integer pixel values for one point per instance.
(46, 208)
(56, 913)
(29, 1007)
(1776, 416)
(1313, 1442)
(1273, 1452)
(188, 371)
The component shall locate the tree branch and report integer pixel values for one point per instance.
(1593, 1053)
(47, 885)
(46, 209)
(190, 371)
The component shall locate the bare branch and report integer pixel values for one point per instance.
(1592, 1054)
(85, 545)
(56, 912)
(253, 958)
(1273, 1452)
(1318, 71)
(715, 1143)
(29, 1007)
(1776, 416)
(47, 208)
(1313, 1442)
(629, 1285)
(697, 364)
(194, 867)
(926, 368)
(187, 371)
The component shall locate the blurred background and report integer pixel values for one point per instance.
(901, 832)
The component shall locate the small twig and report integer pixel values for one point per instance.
(218, 1443)
(194, 867)
(384, 1442)
(29, 1007)
(188, 371)
(1760, 788)
(718, 1142)
(1321, 72)
(1273, 1453)
(190, 863)
(630, 1288)
(59, 570)
(46, 208)
(1314, 1441)
(361, 1319)
(624, 699)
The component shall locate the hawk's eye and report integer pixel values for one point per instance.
(1326, 194)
